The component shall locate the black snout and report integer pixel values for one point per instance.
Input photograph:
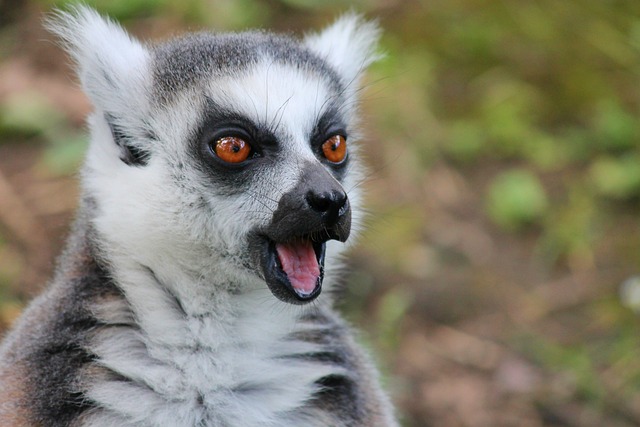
(331, 205)
(313, 212)
(316, 206)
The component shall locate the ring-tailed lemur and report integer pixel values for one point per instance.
(222, 172)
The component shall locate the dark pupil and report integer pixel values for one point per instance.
(236, 148)
(334, 146)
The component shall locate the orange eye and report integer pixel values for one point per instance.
(335, 148)
(232, 149)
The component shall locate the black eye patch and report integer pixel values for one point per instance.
(218, 123)
(129, 153)
(329, 124)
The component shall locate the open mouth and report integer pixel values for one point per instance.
(294, 269)
(291, 248)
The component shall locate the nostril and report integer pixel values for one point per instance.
(340, 200)
(319, 202)
(330, 203)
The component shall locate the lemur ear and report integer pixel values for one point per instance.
(110, 63)
(349, 45)
(113, 69)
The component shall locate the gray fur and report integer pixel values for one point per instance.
(171, 304)
(50, 340)
(188, 60)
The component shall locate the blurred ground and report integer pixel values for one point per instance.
(504, 149)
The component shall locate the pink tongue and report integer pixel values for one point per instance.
(299, 262)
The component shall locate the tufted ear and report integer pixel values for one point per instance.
(113, 69)
(111, 65)
(349, 45)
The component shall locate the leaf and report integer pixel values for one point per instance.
(516, 199)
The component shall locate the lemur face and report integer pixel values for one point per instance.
(271, 145)
(233, 154)
(268, 154)
(281, 159)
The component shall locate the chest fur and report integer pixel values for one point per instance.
(247, 367)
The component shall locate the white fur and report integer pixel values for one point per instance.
(349, 45)
(211, 357)
(113, 67)
(207, 325)
(240, 337)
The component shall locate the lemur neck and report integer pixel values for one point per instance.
(235, 347)
(175, 307)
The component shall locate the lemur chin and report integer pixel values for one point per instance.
(222, 172)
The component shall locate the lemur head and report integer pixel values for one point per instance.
(230, 156)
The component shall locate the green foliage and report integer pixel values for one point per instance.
(467, 140)
(28, 114)
(391, 312)
(117, 9)
(549, 86)
(617, 178)
(577, 361)
(516, 199)
(572, 227)
(64, 154)
(615, 128)
(225, 14)
(601, 370)
(320, 4)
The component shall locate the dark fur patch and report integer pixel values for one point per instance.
(50, 341)
(339, 394)
(229, 179)
(188, 60)
(266, 144)
(129, 153)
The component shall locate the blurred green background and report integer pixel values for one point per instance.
(498, 280)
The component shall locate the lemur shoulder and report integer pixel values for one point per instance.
(219, 189)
